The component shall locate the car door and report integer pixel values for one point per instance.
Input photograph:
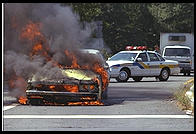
(142, 66)
(154, 64)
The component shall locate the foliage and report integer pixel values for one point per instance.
(182, 99)
(137, 23)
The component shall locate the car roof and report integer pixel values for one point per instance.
(136, 51)
(92, 51)
(177, 46)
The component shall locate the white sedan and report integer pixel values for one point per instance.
(139, 64)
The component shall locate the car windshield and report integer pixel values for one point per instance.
(177, 52)
(93, 53)
(123, 56)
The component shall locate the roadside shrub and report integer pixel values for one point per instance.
(182, 100)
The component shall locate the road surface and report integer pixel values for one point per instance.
(133, 106)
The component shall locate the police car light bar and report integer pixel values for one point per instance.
(136, 48)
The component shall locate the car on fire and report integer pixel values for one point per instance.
(77, 85)
(98, 54)
(137, 62)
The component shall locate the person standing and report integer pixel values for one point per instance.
(157, 49)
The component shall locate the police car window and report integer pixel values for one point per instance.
(123, 56)
(161, 58)
(153, 57)
(143, 56)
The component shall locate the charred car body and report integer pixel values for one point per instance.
(75, 85)
(78, 85)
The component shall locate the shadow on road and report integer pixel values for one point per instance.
(152, 81)
(183, 75)
(136, 95)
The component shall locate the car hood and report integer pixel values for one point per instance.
(171, 62)
(111, 63)
(78, 74)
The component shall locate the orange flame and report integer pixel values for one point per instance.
(90, 86)
(104, 75)
(71, 88)
(86, 98)
(37, 47)
(90, 103)
(73, 58)
(31, 31)
(96, 68)
(51, 87)
(20, 84)
(23, 100)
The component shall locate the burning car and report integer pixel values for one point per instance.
(78, 86)
(45, 65)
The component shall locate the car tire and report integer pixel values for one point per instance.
(164, 76)
(188, 73)
(123, 75)
(137, 78)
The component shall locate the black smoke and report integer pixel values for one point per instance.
(60, 27)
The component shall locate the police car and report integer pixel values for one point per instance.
(137, 62)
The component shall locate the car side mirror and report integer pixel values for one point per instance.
(139, 59)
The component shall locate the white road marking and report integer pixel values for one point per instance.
(9, 107)
(94, 116)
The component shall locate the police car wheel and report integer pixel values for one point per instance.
(123, 76)
(164, 75)
(137, 79)
(188, 73)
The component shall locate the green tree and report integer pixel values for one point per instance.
(87, 11)
(137, 23)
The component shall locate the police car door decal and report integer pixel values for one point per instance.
(142, 66)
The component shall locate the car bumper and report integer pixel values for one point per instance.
(185, 67)
(61, 96)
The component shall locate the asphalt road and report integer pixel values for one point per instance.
(131, 106)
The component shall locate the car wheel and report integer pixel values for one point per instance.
(123, 76)
(137, 79)
(164, 75)
(188, 73)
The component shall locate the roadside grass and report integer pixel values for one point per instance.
(182, 100)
